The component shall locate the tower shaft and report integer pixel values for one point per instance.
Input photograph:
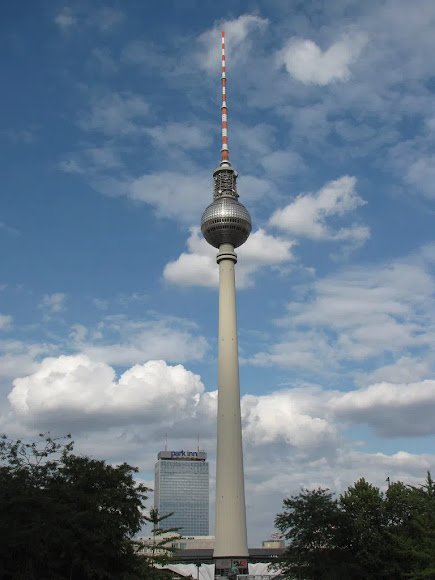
(226, 224)
(230, 530)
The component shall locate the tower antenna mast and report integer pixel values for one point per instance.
(225, 154)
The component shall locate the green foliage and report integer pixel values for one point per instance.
(363, 508)
(418, 544)
(160, 548)
(64, 516)
(363, 534)
(312, 522)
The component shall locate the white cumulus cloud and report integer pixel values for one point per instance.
(307, 216)
(172, 194)
(311, 416)
(290, 416)
(237, 33)
(361, 313)
(391, 409)
(183, 196)
(81, 391)
(75, 387)
(19, 357)
(121, 341)
(307, 63)
(197, 266)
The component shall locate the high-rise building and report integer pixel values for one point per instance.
(226, 224)
(182, 486)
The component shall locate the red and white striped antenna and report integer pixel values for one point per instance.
(225, 155)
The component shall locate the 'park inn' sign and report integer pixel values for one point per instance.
(184, 455)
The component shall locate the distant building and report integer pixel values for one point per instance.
(194, 543)
(273, 544)
(148, 545)
(276, 541)
(182, 487)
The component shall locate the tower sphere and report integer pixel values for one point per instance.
(226, 221)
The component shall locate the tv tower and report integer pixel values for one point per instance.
(226, 224)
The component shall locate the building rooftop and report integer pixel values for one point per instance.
(182, 455)
(206, 555)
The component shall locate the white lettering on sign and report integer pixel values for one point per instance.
(184, 453)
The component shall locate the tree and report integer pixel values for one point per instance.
(64, 516)
(160, 548)
(312, 523)
(366, 525)
(365, 534)
(417, 540)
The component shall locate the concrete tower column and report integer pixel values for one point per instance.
(226, 224)
(230, 528)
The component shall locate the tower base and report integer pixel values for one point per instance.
(230, 567)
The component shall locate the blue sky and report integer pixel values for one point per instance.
(108, 302)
